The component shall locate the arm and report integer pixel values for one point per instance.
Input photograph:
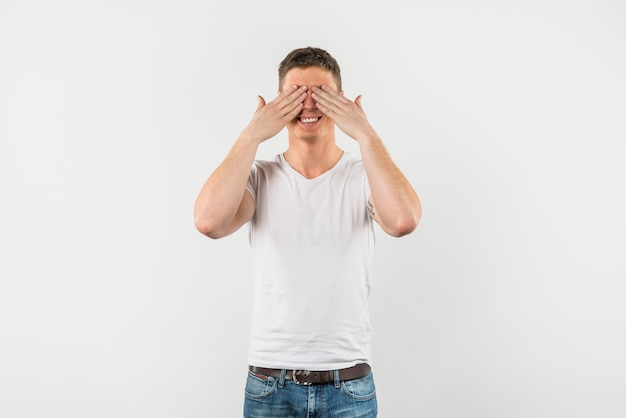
(393, 202)
(223, 204)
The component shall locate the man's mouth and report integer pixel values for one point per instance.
(309, 119)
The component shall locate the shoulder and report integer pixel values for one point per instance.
(265, 166)
(352, 165)
(263, 171)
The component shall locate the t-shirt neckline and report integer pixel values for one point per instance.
(283, 161)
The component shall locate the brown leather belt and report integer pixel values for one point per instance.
(315, 377)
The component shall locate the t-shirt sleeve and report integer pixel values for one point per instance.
(365, 181)
(366, 187)
(252, 183)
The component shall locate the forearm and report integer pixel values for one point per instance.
(221, 196)
(395, 204)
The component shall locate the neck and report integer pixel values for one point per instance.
(312, 159)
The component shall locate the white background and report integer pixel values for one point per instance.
(507, 117)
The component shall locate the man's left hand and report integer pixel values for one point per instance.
(348, 115)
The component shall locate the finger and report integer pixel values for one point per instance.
(289, 94)
(320, 93)
(331, 99)
(292, 101)
(330, 93)
(357, 101)
(298, 94)
(289, 98)
(261, 102)
(290, 115)
(331, 113)
(326, 105)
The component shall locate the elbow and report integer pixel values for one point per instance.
(402, 229)
(206, 227)
(404, 225)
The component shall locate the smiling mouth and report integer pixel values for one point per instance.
(309, 119)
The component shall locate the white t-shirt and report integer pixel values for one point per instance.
(312, 245)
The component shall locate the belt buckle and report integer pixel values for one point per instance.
(297, 382)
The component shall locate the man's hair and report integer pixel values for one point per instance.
(309, 57)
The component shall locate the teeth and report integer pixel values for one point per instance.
(308, 120)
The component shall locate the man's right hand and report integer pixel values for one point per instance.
(269, 119)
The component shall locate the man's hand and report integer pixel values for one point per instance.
(348, 115)
(269, 119)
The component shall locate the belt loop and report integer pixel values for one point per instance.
(281, 379)
(337, 381)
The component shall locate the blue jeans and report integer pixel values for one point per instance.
(269, 397)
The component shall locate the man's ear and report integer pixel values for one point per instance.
(341, 92)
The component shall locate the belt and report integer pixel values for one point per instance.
(316, 377)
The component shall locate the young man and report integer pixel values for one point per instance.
(310, 214)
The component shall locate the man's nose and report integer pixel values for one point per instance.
(309, 103)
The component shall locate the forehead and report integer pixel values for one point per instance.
(309, 76)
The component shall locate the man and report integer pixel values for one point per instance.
(310, 215)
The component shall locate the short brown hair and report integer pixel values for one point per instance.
(309, 57)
